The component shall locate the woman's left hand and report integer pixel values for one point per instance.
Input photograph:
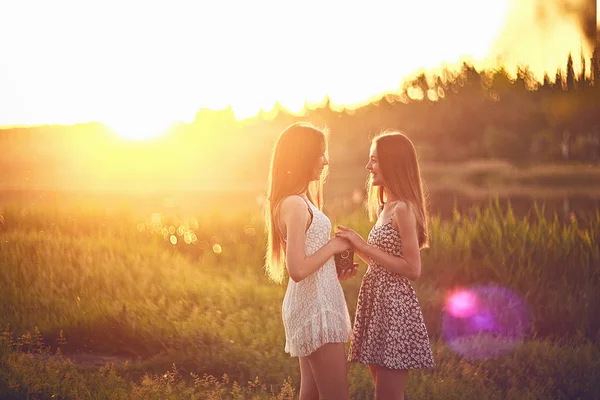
(354, 238)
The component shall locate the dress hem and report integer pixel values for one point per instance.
(316, 347)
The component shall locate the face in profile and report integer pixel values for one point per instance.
(373, 167)
(322, 162)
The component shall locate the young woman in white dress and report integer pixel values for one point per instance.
(314, 311)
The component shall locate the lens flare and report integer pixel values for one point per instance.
(462, 304)
(484, 322)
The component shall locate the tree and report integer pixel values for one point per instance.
(595, 69)
(558, 80)
(570, 74)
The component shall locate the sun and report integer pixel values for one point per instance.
(139, 130)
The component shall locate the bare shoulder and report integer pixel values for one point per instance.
(291, 205)
(400, 206)
(403, 214)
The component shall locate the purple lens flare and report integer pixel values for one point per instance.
(484, 321)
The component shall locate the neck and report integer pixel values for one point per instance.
(389, 197)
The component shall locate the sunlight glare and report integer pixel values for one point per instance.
(294, 106)
(138, 130)
(167, 74)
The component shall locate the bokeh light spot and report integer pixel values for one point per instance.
(432, 95)
(462, 304)
(156, 218)
(484, 322)
(357, 196)
(415, 93)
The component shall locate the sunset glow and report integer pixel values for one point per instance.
(140, 69)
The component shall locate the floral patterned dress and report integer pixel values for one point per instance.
(388, 329)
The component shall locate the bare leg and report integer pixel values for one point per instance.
(308, 386)
(330, 371)
(390, 384)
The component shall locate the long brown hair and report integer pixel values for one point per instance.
(293, 162)
(397, 158)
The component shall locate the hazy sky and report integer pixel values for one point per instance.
(134, 63)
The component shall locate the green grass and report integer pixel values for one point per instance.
(533, 370)
(114, 283)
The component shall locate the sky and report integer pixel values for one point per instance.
(144, 65)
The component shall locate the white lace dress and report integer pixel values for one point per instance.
(314, 310)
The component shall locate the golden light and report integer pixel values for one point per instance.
(135, 129)
(139, 80)
(540, 34)
(294, 106)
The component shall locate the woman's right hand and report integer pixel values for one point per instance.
(348, 273)
(337, 245)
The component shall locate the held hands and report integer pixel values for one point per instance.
(351, 236)
(338, 244)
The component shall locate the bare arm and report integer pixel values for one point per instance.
(362, 255)
(409, 265)
(295, 216)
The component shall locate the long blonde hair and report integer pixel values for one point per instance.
(397, 158)
(293, 162)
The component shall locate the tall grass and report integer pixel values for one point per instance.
(162, 290)
(534, 370)
(554, 266)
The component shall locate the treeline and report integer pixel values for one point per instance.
(451, 116)
(470, 114)
(456, 116)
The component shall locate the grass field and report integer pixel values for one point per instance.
(184, 299)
